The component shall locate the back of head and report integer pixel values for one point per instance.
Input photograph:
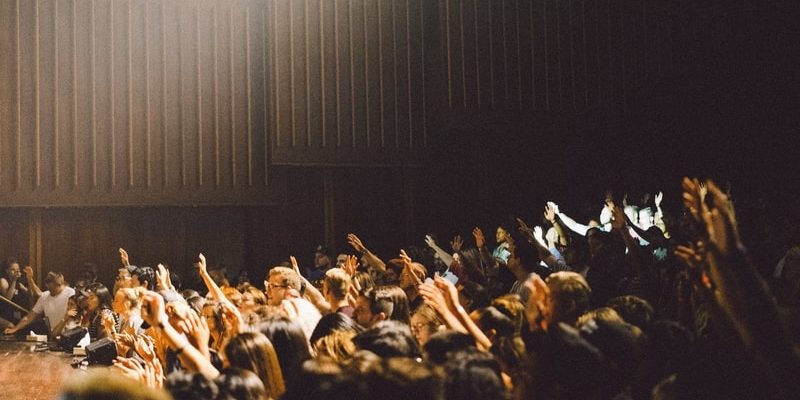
(389, 339)
(254, 352)
(290, 344)
(104, 385)
(146, 276)
(570, 294)
(441, 344)
(391, 301)
(333, 322)
(473, 375)
(238, 383)
(402, 379)
(338, 282)
(184, 385)
(634, 310)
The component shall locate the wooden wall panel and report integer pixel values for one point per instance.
(350, 78)
(553, 55)
(111, 102)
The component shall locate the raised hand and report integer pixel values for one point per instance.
(553, 206)
(524, 229)
(405, 258)
(538, 233)
(449, 292)
(201, 264)
(153, 309)
(197, 331)
(123, 257)
(162, 278)
(480, 240)
(457, 243)
(108, 322)
(694, 194)
(430, 241)
(658, 198)
(129, 368)
(28, 271)
(350, 265)
(295, 265)
(356, 243)
(232, 318)
(433, 297)
(145, 347)
(721, 223)
(550, 212)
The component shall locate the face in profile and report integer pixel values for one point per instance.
(362, 313)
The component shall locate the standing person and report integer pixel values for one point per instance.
(501, 252)
(52, 304)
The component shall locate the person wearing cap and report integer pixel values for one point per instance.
(322, 263)
(52, 304)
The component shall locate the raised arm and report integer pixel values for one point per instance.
(312, 293)
(35, 292)
(153, 311)
(214, 290)
(371, 259)
(446, 257)
(570, 223)
(534, 237)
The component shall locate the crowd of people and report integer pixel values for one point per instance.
(634, 304)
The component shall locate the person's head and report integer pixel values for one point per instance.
(381, 303)
(424, 323)
(12, 269)
(388, 339)
(252, 298)
(125, 301)
(442, 343)
(401, 379)
(603, 313)
(144, 277)
(331, 323)
(240, 383)
(619, 342)
(254, 352)
(338, 345)
(411, 275)
(472, 295)
(523, 260)
(212, 313)
(105, 385)
(363, 281)
(336, 284)
(124, 278)
(279, 284)
(54, 282)
(501, 235)
(494, 323)
(512, 307)
(99, 297)
(394, 267)
(634, 310)
(183, 385)
(321, 258)
(341, 260)
(290, 344)
(473, 375)
(569, 297)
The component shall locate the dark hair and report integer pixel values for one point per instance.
(145, 274)
(401, 379)
(102, 293)
(491, 318)
(528, 256)
(473, 375)
(290, 344)
(238, 383)
(634, 310)
(443, 343)
(323, 378)
(475, 292)
(333, 322)
(254, 351)
(388, 339)
(391, 301)
(184, 385)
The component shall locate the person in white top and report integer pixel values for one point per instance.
(52, 304)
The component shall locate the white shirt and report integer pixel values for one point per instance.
(54, 307)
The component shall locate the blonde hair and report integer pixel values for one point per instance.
(287, 277)
(338, 282)
(338, 345)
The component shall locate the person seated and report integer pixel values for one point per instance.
(101, 320)
(52, 304)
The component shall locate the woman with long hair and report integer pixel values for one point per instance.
(254, 352)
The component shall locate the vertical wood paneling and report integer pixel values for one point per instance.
(137, 102)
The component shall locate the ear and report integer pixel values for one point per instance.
(381, 316)
(491, 333)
